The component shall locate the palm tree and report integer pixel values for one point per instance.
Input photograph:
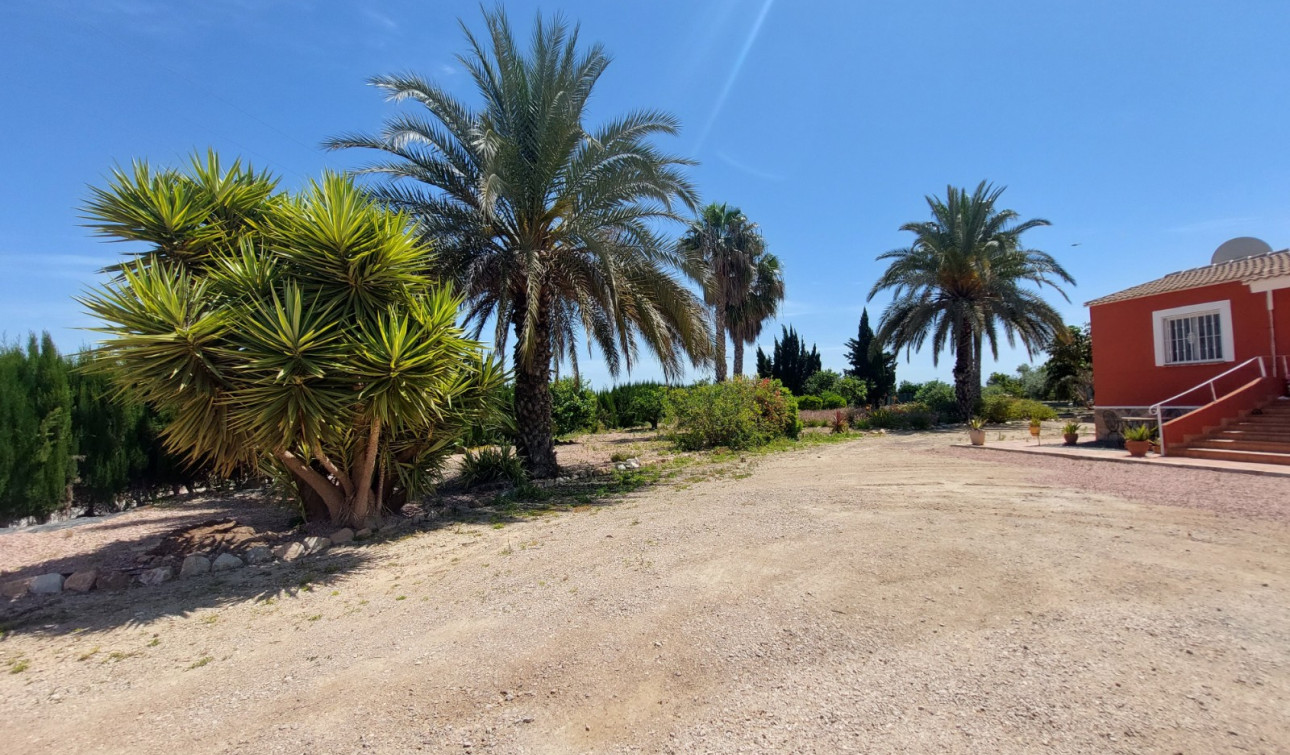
(962, 279)
(745, 318)
(545, 225)
(722, 247)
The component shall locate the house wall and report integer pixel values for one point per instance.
(1124, 357)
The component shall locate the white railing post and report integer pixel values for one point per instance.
(1160, 427)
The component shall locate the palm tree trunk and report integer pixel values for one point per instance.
(976, 374)
(536, 442)
(964, 372)
(738, 356)
(719, 329)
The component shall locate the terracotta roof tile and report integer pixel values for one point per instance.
(1246, 270)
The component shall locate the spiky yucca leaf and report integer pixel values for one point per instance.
(313, 337)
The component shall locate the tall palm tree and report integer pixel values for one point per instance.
(761, 302)
(962, 280)
(721, 247)
(544, 224)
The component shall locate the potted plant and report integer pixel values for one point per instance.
(1070, 433)
(1137, 440)
(976, 431)
(1035, 423)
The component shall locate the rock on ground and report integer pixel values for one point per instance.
(82, 581)
(194, 565)
(15, 588)
(316, 544)
(47, 584)
(113, 580)
(226, 561)
(259, 554)
(342, 536)
(156, 576)
(290, 551)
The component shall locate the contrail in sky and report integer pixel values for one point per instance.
(734, 73)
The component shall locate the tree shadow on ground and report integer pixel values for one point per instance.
(67, 613)
(91, 543)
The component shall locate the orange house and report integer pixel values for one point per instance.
(1197, 349)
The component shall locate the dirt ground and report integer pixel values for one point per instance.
(882, 595)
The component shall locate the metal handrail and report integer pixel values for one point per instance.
(1213, 391)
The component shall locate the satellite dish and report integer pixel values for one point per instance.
(1239, 248)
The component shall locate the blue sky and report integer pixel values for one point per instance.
(1147, 132)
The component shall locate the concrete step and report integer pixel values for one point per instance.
(1275, 423)
(1255, 457)
(1254, 435)
(1243, 444)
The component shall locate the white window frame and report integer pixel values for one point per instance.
(1160, 333)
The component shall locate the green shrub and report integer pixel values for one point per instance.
(997, 407)
(906, 391)
(1025, 408)
(573, 406)
(831, 400)
(938, 396)
(809, 403)
(737, 414)
(817, 384)
(606, 410)
(492, 464)
(853, 390)
(631, 405)
(911, 416)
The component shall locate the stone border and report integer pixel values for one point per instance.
(193, 565)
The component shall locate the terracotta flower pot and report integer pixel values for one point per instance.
(1034, 430)
(1070, 438)
(1137, 448)
(977, 437)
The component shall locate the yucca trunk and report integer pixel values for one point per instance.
(343, 497)
(536, 442)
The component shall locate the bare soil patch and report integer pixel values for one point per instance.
(881, 595)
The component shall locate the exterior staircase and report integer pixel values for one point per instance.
(1261, 436)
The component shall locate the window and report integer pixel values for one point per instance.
(1194, 334)
(1195, 338)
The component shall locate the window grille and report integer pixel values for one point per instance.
(1194, 338)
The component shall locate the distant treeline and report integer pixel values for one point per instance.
(66, 438)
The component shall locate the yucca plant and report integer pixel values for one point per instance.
(492, 464)
(299, 331)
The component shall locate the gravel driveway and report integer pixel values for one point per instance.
(881, 595)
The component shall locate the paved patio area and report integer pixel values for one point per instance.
(1097, 452)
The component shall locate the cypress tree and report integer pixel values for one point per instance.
(875, 367)
(790, 362)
